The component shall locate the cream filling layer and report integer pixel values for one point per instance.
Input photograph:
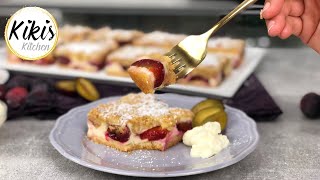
(133, 139)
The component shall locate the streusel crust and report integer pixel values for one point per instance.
(138, 111)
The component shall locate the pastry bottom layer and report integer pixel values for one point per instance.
(201, 81)
(44, 61)
(85, 65)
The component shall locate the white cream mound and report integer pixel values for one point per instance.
(3, 112)
(4, 76)
(205, 140)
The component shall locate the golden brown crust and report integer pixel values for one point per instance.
(182, 115)
(136, 124)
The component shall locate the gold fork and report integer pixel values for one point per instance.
(191, 51)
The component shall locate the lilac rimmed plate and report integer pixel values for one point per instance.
(69, 137)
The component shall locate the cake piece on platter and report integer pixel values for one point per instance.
(224, 55)
(210, 72)
(233, 49)
(87, 56)
(138, 121)
(119, 60)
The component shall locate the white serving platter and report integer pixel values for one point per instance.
(226, 89)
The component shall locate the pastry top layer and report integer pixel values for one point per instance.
(128, 54)
(124, 35)
(140, 112)
(86, 48)
(119, 35)
(226, 45)
(159, 38)
(77, 33)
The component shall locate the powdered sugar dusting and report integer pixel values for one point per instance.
(211, 60)
(163, 37)
(138, 105)
(86, 47)
(225, 42)
(133, 52)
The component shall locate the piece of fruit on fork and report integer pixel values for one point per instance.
(152, 72)
(138, 121)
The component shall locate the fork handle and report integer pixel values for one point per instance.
(228, 17)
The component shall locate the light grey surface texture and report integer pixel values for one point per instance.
(289, 148)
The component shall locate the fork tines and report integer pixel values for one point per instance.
(177, 59)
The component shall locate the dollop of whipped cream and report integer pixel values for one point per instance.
(4, 76)
(3, 112)
(205, 140)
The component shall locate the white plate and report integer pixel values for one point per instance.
(227, 88)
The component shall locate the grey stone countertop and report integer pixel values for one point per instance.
(289, 147)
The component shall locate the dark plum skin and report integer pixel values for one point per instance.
(184, 126)
(310, 105)
(63, 60)
(121, 134)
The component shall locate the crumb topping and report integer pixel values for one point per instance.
(139, 112)
(147, 106)
(86, 47)
(133, 52)
(225, 42)
(160, 38)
